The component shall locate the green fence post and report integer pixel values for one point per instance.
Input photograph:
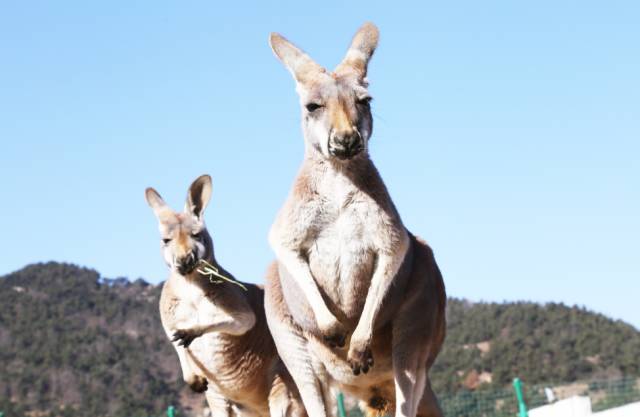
(341, 412)
(171, 411)
(522, 407)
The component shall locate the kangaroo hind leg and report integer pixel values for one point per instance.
(428, 406)
(218, 405)
(292, 347)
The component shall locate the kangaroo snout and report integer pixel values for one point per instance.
(345, 146)
(187, 264)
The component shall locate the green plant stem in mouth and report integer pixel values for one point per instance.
(215, 277)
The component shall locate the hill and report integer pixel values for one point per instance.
(75, 344)
(488, 344)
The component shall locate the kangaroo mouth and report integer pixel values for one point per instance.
(186, 270)
(187, 266)
(344, 154)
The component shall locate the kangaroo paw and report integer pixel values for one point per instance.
(335, 335)
(199, 384)
(360, 359)
(185, 337)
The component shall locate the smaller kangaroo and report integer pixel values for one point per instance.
(218, 330)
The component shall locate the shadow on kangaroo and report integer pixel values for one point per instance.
(355, 302)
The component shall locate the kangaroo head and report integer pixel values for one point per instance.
(185, 239)
(337, 119)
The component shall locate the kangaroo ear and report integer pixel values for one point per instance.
(198, 196)
(154, 200)
(301, 66)
(361, 50)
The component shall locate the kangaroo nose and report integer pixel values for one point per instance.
(347, 141)
(345, 146)
(187, 264)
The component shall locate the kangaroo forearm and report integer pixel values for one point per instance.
(232, 327)
(298, 268)
(387, 268)
(238, 323)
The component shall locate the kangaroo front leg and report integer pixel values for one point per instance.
(235, 323)
(236, 326)
(331, 329)
(196, 382)
(359, 355)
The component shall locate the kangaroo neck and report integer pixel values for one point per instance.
(355, 171)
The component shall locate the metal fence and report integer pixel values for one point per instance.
(503, 403)
(604, 394)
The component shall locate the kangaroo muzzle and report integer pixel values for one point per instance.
(345, 146)
(187, 264)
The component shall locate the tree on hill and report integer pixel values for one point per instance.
(538, 343)
(73, 343)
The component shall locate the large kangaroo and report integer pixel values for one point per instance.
(218, 330)
(348, 272)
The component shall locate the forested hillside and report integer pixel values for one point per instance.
(490, 344)
(75, 344)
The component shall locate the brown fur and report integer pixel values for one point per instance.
(376, 388)
(348, 272)
(242, 367)
(228, 352)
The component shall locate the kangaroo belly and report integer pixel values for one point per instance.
(342, 269)
(239, 372)
(342, 262)
(239, 366)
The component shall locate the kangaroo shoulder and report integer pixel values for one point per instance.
(169, 301)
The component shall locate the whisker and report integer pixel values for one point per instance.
(377, 117)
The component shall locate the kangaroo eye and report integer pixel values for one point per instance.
(311, 107)
(166, 241)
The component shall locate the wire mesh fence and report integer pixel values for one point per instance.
(502, 403)
(604, 394)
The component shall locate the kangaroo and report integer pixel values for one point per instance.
(354, 301)
(218, 330)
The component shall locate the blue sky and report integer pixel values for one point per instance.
(508, 134)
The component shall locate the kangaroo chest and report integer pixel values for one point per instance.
(195, 308)
(342, 249)
(228, 361)
(194, 305)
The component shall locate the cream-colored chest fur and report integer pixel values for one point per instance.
(193, 305)
(349, 228)
(214, 352)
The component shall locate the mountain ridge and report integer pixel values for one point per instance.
(74, 343)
